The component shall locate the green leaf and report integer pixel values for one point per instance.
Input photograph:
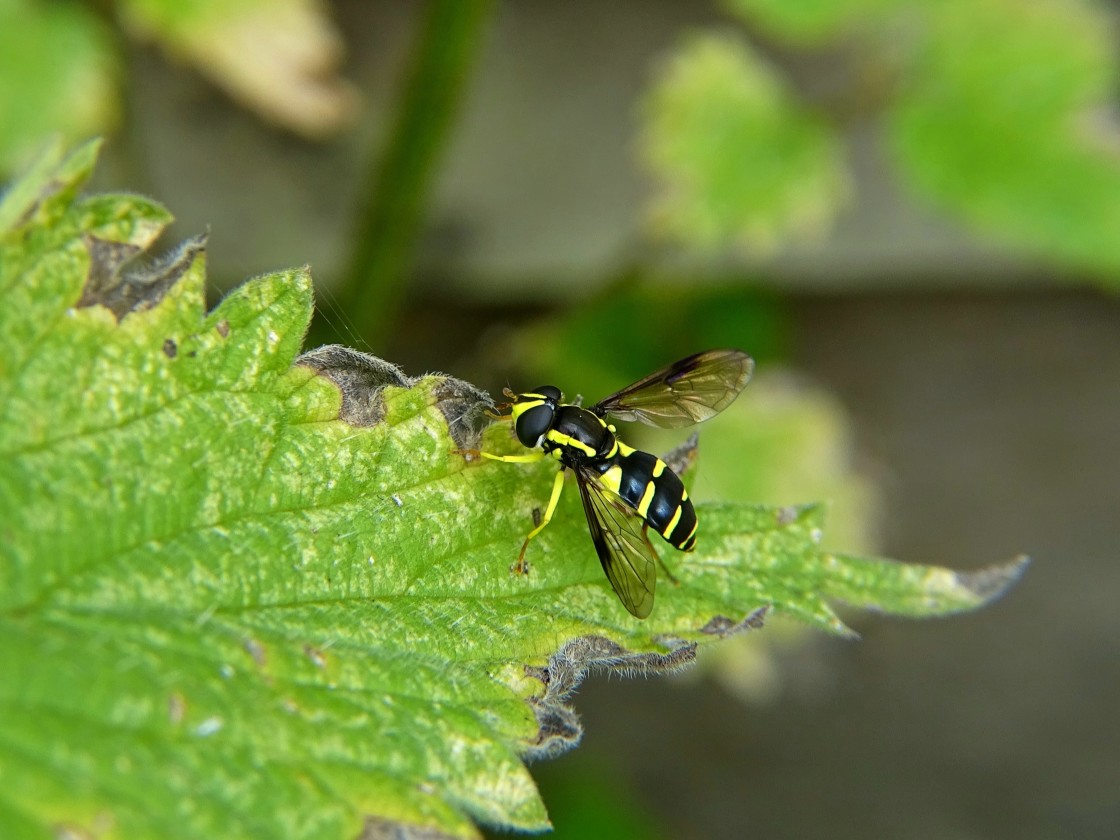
(57, 75)
(249, 593)
(1005, 117)
(738, 159)
(809, 21)
(996, 112)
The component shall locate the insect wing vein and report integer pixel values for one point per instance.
(622, 545)
(684, 393)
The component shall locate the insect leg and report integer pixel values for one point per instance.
(527, 458)
(557, 488)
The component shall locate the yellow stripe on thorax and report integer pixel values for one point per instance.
(561, 439)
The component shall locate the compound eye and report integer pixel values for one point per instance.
(533, 423)
(550, 392)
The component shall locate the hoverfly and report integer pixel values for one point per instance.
(625, 491)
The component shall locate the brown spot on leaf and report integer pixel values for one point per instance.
(256, 650)
(223, 328)
(787, 515)
(361, 378)
(559, 728)
(464, 406)
(317, 656)
(170, 348)
(176, 708)
(723, 626)
(106, 261)
(107, 283)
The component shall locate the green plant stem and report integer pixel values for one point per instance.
(399, 182)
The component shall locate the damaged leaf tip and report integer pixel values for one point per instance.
(362, 378)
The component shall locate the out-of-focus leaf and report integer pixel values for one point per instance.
(998, 112)
(737, 158)
(277, 57)
(636, 328)
(808, 21)
(57, 76)
(1006, 116)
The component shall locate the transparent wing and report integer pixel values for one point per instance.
(684, 393)
(621, 542)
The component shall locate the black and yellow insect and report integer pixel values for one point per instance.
(625, 491)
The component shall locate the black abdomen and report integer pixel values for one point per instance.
(659, 497)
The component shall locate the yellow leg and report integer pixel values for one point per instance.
(557, 488)
(527, 458)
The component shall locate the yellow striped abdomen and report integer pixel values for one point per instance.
(655, 492)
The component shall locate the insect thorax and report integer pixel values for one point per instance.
(579, 435)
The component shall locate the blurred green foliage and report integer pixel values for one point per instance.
(638, 325)
(178, 19)
(60, 64)
(810, 21)
(997, 112)
(58, 74)
(739, 157)
(1006, 117)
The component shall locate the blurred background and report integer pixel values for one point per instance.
(908, 212)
